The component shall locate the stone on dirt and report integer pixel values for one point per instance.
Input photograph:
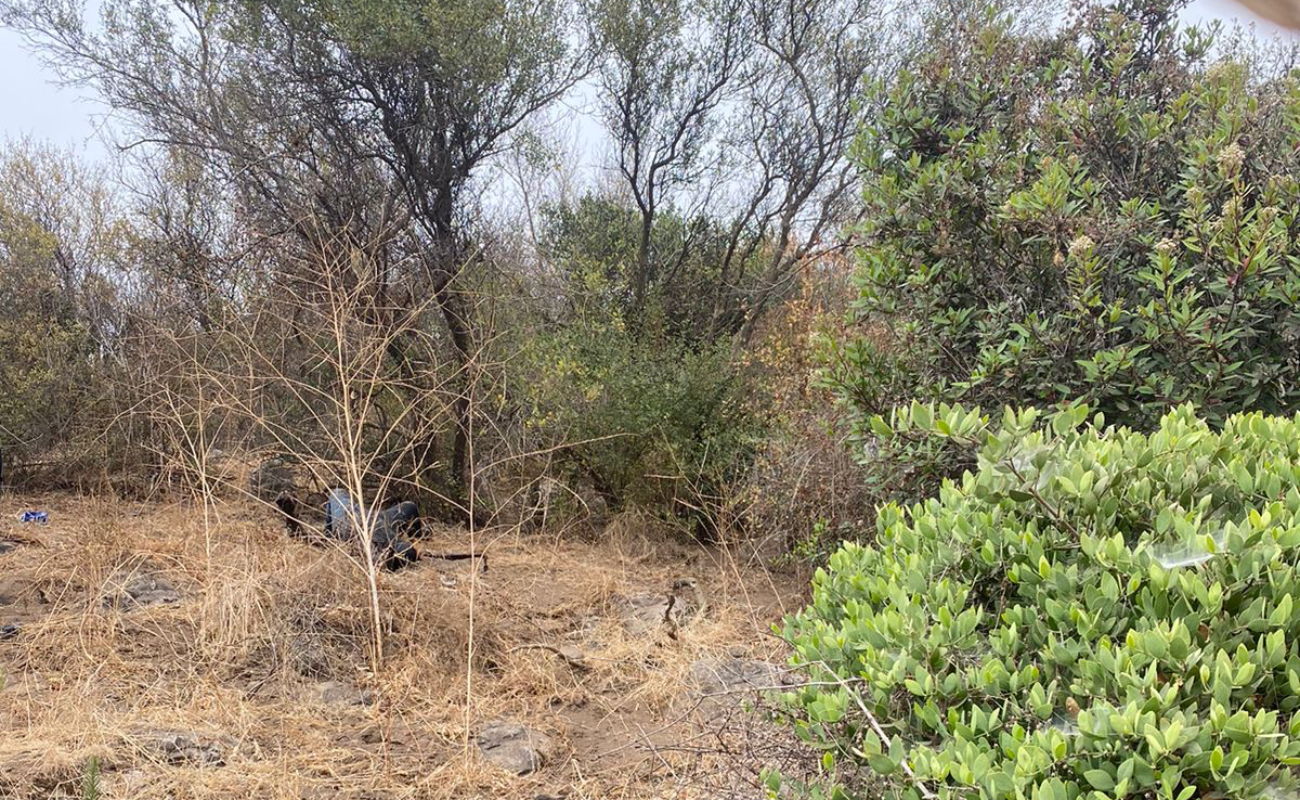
(187, 747)
(644, 613)
(7, 546)
(713, 675)
(139, 591)
(12, 590)
(513, 747)
(338, 693)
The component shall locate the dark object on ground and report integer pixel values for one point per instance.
(288, 505)
(10, 631)
(459, 557)
(391, 528)
(394, 527)
(7, 546)
(39, 517)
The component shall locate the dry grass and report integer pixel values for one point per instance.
(263, 622)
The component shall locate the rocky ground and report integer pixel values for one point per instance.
(150, 650)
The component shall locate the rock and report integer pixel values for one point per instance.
(12, 590)
(271, 477)
(337, 693)
(571, 654)
(307, 656)
(513, 747)
(138, 591)
(7, 546)
(187, 747)
(643, 613)
(10, 631)
(713, 675)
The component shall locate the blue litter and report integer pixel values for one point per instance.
(388, 528)
(41, 517)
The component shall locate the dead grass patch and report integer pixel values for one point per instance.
(262, 623)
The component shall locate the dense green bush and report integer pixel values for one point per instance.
(637, 399)
(643, 421)
(593, 244)
(1091, 613)
(1108, 213)
(49, 358)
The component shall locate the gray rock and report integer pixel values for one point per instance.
(307, 656)
(337, 693)
(643, 614)
(138, 591)
(11, 589)
(7, 546)
(513, 747)
(187, 747)
(713, 675)
(269, 478)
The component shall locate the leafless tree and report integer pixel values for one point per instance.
(742, 112)
(665, 72)
(802, 106)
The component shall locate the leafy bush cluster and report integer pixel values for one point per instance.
(637, 397)
(1092, 612)
(50, 361)
(642, 421)
(1107, 214)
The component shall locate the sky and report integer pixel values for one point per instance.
(33, 104)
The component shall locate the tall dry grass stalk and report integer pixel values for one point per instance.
(335, 372)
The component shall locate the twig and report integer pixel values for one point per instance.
(884, 737)
(571, 655)
(668, 617)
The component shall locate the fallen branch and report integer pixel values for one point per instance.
(571, 655)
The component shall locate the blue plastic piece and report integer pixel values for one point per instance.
(339, 513)
(40, 517)
(389, 527)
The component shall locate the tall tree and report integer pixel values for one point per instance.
(371, 115)
(665, 71)
(739, 113)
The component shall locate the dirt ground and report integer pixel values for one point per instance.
(154, 653)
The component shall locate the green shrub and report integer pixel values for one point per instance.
(1108, 213)
(48, 358)
(638, 398)
(1090, 613)
(648, 422)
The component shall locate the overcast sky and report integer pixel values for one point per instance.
(31, 104)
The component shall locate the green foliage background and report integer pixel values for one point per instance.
(1107, 213)
(1091, 613)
